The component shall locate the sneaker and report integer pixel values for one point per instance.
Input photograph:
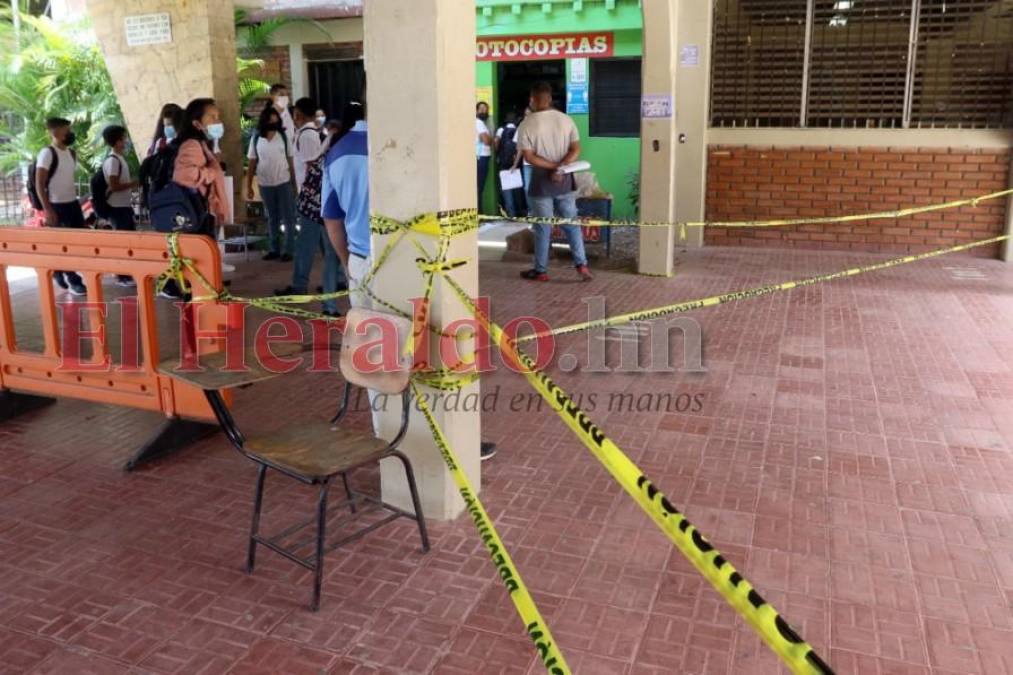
(271, 256)
(288, 290)
(60, 281)
(333, 313)
(126, 282)
(79, 290)
(487, 450)
(320, 289)
(169, 295)
(534, 275)
(584, 273)
(285, 258)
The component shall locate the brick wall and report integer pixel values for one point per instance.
(277, 68)
(771, 183)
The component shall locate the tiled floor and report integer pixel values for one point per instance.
(851, 456)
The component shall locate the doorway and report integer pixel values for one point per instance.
(334, 83)
(515, 79)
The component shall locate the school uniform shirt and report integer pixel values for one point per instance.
(481, 149)
(115, 165)
(344, 194)
(307, 148)
(272, 159)
(288, 125)
(549, 133)
(61, 184)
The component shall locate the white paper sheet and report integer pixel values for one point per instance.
(511, 180)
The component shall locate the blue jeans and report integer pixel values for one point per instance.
(483, 174)
(122, 218)
(313, 235)
(527, 171)
(279, 202)
(513, 201)
(564, 206)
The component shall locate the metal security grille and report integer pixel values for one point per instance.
(858, 63)
(863, 63)
(615, 97)
(759, 52)
(963, 74)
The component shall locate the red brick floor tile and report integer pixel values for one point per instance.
(19, 652)
(407, 642)
(879, 632)
(79, 663)
(855, 662)
(269, 656)
(475, 651)
(951, 646)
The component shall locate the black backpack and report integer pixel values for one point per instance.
(507, 148)
(33, 194)
(156, 171)
(100, 189)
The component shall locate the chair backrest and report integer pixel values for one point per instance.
(373, 351)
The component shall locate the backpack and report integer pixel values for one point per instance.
(33, 194)
(307, 202)
(171, 206)
(100, 189)
(156, 171)
(507, 148)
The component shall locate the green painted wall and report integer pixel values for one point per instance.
(612, 159)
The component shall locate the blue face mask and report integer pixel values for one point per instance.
(216, 131)
(169, 131)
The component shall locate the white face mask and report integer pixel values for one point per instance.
(281, 101)
(321, 121)
(215, 131)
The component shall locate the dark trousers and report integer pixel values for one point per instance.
(69, 214)
(122, 218)
(483, 174)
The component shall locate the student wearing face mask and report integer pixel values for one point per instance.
(271, 156)
(57, 191)
(170, 121)
(196, 166)
(280, 102)
(483, 145)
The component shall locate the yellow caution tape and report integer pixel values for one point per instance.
(714, 300)
(738, 592)
(442, 223)
(535, 625)
(822, 220)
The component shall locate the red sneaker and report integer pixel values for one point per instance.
(585, 273)
(534, 275)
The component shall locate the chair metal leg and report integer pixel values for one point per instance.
(348, 492)
(416, 502)
(258, 501)
(318, 570)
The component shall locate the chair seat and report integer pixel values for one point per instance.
(316, 450)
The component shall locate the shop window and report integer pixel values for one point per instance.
(615, 97)
(862, 63)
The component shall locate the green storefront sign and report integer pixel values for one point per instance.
(589, 50)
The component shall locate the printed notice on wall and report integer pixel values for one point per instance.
(689, 56)
(656, 106)
(578, 71)
(148, 29)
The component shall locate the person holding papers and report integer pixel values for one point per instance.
(550, 142)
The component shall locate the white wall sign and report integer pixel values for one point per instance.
(689, 56)
(656, 106)
(148, 29)
(578, 71)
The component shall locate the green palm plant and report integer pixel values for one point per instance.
(58, 72)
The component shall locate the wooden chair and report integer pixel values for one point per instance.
(315, 453)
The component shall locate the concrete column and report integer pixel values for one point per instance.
(200, 61)
(1006, 248)
(673, 166)
(423, 166)
(297, 63)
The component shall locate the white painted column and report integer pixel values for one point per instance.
(297, 63)
(420, 57)
(673, 166)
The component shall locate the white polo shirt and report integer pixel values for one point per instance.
(272, 159)
(61, 185)
(307, 149)
(115, 165)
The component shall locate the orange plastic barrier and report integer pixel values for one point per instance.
(92, 254)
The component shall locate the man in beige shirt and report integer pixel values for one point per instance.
(549, 140)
